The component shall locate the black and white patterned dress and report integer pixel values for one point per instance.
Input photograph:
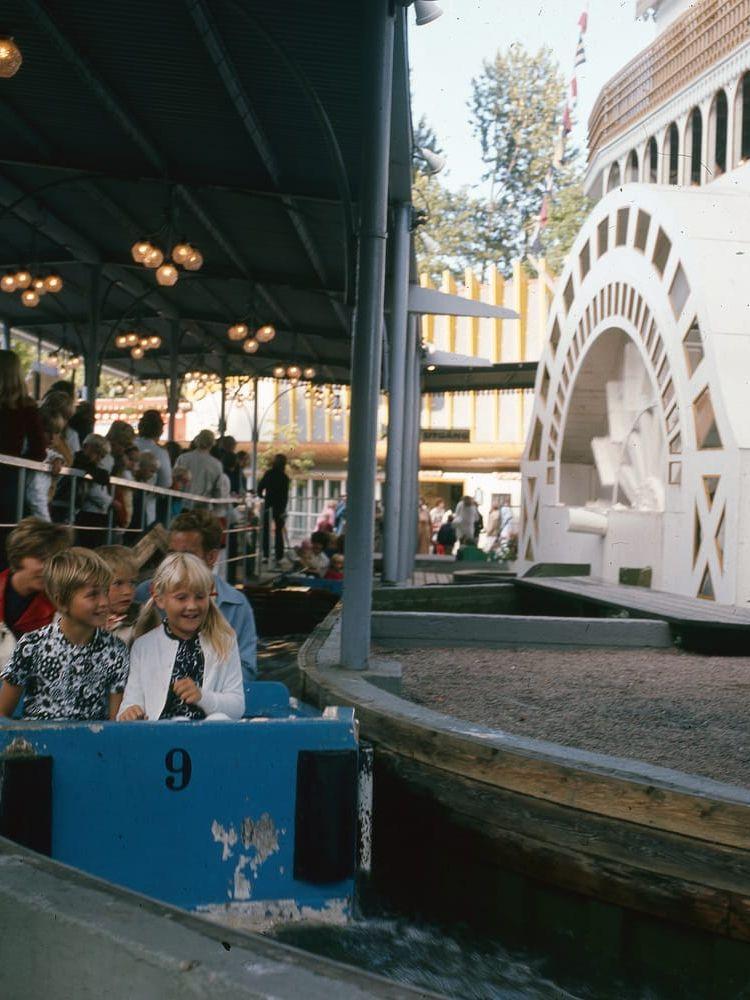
(188, 662)
(64, 681)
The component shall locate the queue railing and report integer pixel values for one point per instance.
(247, 509)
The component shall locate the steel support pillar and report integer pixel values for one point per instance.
(223, 410)
(410, 461)
(396, 390)
(367, 340)
(91, 360)
(255, 434)
(173, 397)
(5, 334)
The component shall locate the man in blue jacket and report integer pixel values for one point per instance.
(199, 533)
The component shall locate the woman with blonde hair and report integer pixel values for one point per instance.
(188, 665)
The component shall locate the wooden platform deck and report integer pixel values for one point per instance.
(651, 603)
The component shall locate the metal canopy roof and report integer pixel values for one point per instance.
(241, 119)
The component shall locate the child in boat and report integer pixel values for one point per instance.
(123, 610)
(72, 668)
(187, 666)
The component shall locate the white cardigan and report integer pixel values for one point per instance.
(151, 660)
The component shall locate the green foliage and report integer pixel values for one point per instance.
(516, 114)
(26, 353)
(286, 440)
(567, 213)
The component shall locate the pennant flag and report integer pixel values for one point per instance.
(567, 121)
(574, 88)
(583, 22)
(580, 54)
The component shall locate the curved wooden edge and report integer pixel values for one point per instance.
(614, 787)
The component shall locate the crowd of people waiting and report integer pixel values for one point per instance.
(442, 531)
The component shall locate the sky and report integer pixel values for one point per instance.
(447, 53)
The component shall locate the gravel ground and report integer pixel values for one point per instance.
(665, 707)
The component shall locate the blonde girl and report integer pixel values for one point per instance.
(188, 665)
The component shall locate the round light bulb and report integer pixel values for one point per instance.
(8, 283)
(132, 339)
(29, 297)
(309, 373)
(143, 342)
(140, 250)
(154, 258)
(137, 353)
(294, 371)
(250, 346)
(154, 341)
(23, 279)
(237, 332)
(265, 333)
(75, 362)
(194, 262)
(10, 58)
(121, 340)
(53, 283)
(38, 285)
(181, 252)
(279, 371)
(167, 275)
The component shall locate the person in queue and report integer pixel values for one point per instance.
(150, 428)
(274, 489)
(198, 532)
(24, 606)
(188, 664)
(205, 471)
(95, 497)
(21, 436)
(123, 608)
(73, 668)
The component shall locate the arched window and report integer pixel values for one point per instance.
(653, 161)
(694, 145)
(614, 177)
(718, 132)
(631, 170)
(744, 96)
(672, 150)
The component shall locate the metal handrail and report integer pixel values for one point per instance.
(26, 465)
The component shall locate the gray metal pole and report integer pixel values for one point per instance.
(396, 376)
(416, 434)
(367, 340)
(92, 347)
(173, 399)
(223, 411)
(5, 334)
(407, 456)
(255, 434)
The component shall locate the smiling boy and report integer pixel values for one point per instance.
(72, 669)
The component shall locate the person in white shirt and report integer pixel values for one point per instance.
(206, 472)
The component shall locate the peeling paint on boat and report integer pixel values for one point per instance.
(262, 915)
(228, 838)
(263, 836)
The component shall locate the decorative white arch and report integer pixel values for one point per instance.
(639, 445)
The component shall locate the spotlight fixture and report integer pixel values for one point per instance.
(427, 11)
(435, 162)
(10, 58)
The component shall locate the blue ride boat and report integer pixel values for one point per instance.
(248, 823)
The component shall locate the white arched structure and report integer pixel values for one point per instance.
(639, 445)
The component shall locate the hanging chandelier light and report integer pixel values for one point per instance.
(293, 373)
(10, 58)
(166, 263)
(31, 288)
(137, 343)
